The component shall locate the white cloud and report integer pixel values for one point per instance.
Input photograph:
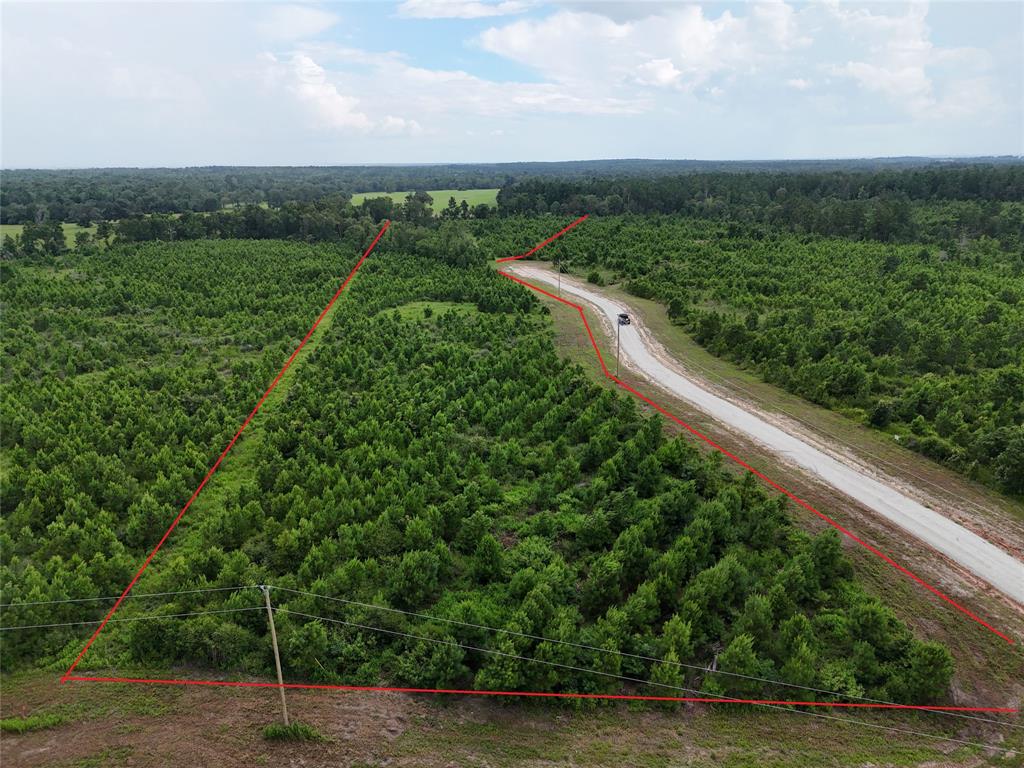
(330, 108)
(780, 23)
(453, 91)
(967, 97)
(658, 72)
(901, 63)
(399, 125)
(444, 92)
(906, 84)
(459, 9)
(608, 79)
(677, 46)
(334, 100)
(295, 22)
(145, 84)
(567, 46)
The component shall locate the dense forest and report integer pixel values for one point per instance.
(436, 457)
(925, 343)
(330, 220)
(85, 196)
(933, 204)
(123, 376)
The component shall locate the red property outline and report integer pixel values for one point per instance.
(540, 245)
(542, 694)
(68, 677)
(230, 445)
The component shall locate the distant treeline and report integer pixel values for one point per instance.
(325, 221)
(87, 196)
(890, 206)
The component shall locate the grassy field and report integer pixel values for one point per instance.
(471, 196)
(70, 230)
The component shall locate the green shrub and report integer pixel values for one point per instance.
(294, 732)
(30, 723)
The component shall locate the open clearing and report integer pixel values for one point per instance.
(473, 197)
(70, 230)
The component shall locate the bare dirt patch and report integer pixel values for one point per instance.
(134, 725)
(201, 726)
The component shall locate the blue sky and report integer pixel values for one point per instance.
(144, 84)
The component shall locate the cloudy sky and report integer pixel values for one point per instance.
(126, 84)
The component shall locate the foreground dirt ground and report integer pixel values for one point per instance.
(123, 725)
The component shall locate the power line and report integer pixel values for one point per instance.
(131, 618)
(583, 646)
(427, 616)
(114, 597)
(453, 643)
(539, 638)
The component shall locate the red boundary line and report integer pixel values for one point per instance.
(224, 453)
(551, 239)
(541, 694)
(746, 466)
(68, 677)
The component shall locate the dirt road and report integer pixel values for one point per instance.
(640, 352)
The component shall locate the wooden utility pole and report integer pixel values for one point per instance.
(277, 655)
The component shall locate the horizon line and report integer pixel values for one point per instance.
(442, 163)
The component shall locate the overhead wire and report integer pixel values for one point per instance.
(779, 707)
(586, 647)
(131, 618)
(472, 625)
(130, 595)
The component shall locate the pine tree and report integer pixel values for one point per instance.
(667, 680)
